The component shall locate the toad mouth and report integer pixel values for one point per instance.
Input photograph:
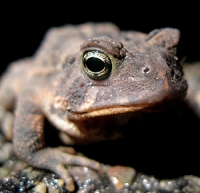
(105, 112)
(122, 109)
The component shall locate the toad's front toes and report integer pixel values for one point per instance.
(56, 160)
(65, 175)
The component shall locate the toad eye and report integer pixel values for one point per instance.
(97, 65)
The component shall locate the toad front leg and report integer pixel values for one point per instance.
(30, 145)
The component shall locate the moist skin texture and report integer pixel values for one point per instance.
(87, 80)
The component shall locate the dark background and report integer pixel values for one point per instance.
(23, 27)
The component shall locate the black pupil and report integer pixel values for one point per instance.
(95, 64)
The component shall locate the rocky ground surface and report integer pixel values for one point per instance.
(16, 176)
(163, 144)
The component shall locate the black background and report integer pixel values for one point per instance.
(23, 27)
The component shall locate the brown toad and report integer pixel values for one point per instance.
(87, 80)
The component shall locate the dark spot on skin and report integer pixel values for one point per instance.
(69, 61)
(82, 84)
(146, 70)
(127, 38)
(72, 60)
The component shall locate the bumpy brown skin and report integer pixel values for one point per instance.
(52, 84)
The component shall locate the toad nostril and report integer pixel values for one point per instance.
(146, 70)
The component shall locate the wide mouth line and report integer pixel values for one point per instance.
(106, 111)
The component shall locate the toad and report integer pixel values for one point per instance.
(87, 81)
